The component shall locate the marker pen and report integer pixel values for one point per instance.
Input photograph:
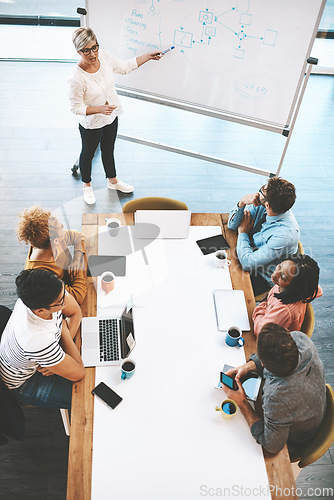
(167, 50)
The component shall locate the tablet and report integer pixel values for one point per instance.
(212, 244)
(98, 264)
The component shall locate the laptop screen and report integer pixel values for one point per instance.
(127, 330)
(152, 224)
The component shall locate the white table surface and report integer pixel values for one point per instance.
(165, 440)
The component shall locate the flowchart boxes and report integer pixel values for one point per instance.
(243, 5)
(205, 16)
(270, 37)
(209, 31)
(246, 19)
(183, 38)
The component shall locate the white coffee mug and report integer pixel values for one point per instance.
(221, 259)
(113, 226)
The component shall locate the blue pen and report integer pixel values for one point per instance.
(167, 50)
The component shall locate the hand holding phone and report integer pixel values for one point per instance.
(108, 396)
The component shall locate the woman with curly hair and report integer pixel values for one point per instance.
(49, 250)
(296, 282)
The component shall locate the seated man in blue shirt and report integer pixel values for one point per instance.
(267, 230)
(294, 390)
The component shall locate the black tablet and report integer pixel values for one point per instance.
(98, 264)
(212, 244)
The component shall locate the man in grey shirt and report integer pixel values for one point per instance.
(294, 391)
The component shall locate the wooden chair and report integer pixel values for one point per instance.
(300, 248)
(322, 440)
(153, 203)
(309, 320)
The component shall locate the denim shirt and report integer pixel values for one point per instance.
(268, 243)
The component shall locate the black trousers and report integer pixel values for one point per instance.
(90, 139)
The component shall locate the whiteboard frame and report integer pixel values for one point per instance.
(262, 124)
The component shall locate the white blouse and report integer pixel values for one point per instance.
(95, 89)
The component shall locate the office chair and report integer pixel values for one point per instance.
(322, 440)
(5, 314)
(153, 203)
(309, 320)
(300, 248)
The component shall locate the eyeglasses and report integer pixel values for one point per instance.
(87, 51)
(60, 304)
(261, 191)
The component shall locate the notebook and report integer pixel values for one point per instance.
(231, 309)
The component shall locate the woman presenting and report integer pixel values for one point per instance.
(93, 97)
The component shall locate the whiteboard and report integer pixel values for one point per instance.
(246, 58)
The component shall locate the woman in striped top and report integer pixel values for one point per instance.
(295, 284)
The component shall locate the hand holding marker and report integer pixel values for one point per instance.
(167, 50)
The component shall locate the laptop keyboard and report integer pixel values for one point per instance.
(108, 332)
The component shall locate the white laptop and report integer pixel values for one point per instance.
(107, 340)
(162, 223)
(231, 309)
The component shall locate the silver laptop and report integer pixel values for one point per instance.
(153, 224)
(231, 309)
(107, 340)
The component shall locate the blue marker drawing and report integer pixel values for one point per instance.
(167, 50)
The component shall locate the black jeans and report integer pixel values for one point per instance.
(90, 139)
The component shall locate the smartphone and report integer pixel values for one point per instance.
(229, 381)
(108, 396)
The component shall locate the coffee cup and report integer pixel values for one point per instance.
(128, 368)
(221, 259)
(113, 226)
(234, 337)
(227, 409)
(107, 281)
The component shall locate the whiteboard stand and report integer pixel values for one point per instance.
(312, 61)
(286, 131)
(270, 123)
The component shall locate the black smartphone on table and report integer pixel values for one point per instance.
(108, 396)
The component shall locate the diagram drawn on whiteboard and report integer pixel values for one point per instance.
(232, 26)
(214, 36)
(241, 34)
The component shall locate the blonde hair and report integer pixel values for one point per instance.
(82, 37)
(37, 227)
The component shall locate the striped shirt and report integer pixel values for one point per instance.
(28, 342)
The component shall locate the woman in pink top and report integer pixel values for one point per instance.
(295, 283)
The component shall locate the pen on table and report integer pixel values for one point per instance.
(167, 50)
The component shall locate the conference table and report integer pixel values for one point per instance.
(165, 439)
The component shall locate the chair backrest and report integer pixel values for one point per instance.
(300, 248)
(4, 317)
(325, 435)
(309, 320)
(153, 203)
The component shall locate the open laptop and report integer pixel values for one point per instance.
(172, 223)
(107, 340)
(231, 309)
